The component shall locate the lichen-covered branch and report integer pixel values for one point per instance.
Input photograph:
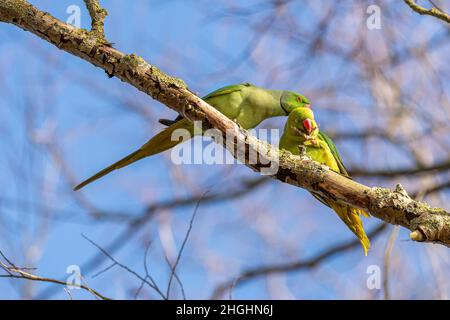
(435, 12)
(396, 207)
(98, 15)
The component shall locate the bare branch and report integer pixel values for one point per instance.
(188, 232)
(435, 12)
(20, 273)
(361, 172)
(387, 261)
(230, 192)
(128, 269)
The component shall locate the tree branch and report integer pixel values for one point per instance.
(98, 15)
(435, 12)
(13, 271)
(396, 207)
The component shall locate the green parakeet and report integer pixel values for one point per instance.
(245, 103)
(302, 130)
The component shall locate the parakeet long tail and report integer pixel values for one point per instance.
(350, 216)
(159, 143)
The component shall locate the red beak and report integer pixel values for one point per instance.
(307, 124)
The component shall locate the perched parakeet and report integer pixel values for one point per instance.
(245, 103)
(302, 130)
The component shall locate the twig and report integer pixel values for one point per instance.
(98, 15)
(177, 278)
(18, 273)
(147, 273)
(435, 12)
(116, 263)
(191, 223)
(364, 172)
(387, 261)
(433, 189)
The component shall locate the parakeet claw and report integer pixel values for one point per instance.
(311, 142)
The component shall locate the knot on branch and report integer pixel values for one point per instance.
(397, 207)
(389, 205)
(431, 224)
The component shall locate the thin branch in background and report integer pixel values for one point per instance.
(435, 5)
(152, 284)
(7, 260)
(177, 278)
(188, 232)
(18, 273)
(69, 294)
(231, 192)
(437, 167)
(431, 190)
(387, 260)
(147, 272)
(129, 270)
(244, 188)
(103, 270)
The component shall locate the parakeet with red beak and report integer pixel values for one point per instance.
(302, 130)
(245, 103)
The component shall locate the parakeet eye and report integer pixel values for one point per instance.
(307, 124)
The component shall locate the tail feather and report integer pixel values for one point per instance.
(362, 213)
(135, 156)
(350, 216)
(159, 143)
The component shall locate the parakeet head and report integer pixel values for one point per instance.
(301, 122)
(291, 100)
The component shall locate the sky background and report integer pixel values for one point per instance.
(62, 120)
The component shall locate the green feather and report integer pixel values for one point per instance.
(226, 90)
(335, 153)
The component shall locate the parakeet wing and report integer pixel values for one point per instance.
(226, 90)
(335, 153)
(341, 166)
(219, 92)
